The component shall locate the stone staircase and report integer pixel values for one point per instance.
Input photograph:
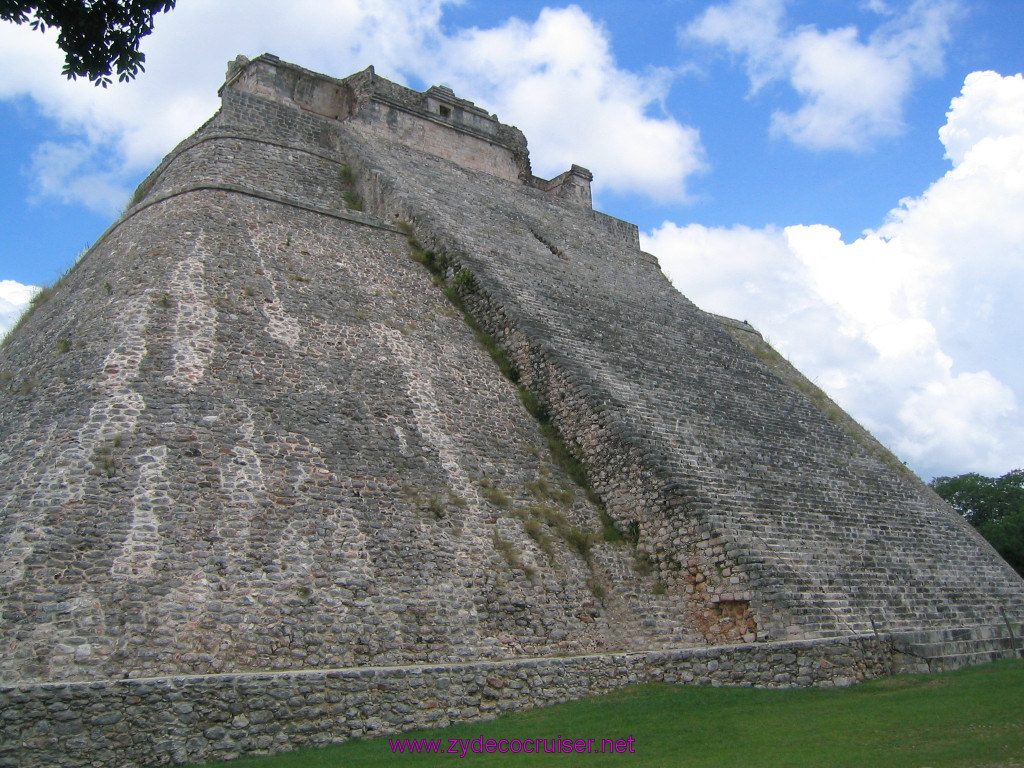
(938, 650)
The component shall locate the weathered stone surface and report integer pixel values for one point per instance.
(249, 434)
(179, 719)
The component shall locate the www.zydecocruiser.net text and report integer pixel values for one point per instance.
(558, 745)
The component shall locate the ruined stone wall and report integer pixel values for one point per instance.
(136, 723)
(435, 135)
(437, 121)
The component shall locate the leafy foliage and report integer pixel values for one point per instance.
(993, 505)
(98, 36)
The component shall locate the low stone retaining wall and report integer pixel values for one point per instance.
(160, 721)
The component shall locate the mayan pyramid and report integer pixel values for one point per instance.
(348, 386)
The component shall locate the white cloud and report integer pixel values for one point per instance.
(556, 77)
(751, 29)
(14, 299)
(879, 7)
(557, 80)
(70, 173)
(852, 92)
(119, 132)
(960, 416)
(914, 328)
(989, 108)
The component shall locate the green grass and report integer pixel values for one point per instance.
(971, 718)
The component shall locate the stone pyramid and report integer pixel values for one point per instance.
(347, 386)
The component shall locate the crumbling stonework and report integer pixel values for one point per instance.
(130, 723)
(249, 433)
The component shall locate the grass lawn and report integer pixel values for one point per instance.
(973, 717)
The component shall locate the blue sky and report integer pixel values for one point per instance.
(848, 176)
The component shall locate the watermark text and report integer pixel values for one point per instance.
(559, 745)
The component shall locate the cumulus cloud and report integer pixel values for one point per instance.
(915, 327)
(72, 173)
(14, 299)
(851, 90)
(556, 77)
(988, 108)
(116, 133)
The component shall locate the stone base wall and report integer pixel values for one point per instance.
(941, 650)
(167, 720)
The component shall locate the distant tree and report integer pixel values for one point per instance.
(993, 505)
(98, 36)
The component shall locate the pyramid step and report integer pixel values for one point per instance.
(946, 663)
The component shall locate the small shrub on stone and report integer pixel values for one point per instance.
(575, 537)
(466, 280)
(437, 263)
(103, 460)
(345, 174)
(581, 541)
(572, 466)
(499, 356)
(352, 199)
(633, 531)
(495, 495)
(532, 404)
(609, 531)
(535, 531)
(42, 296)
(542, 488)
(507, 550)
(643, 564)
(436, 507)
(453, 296)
